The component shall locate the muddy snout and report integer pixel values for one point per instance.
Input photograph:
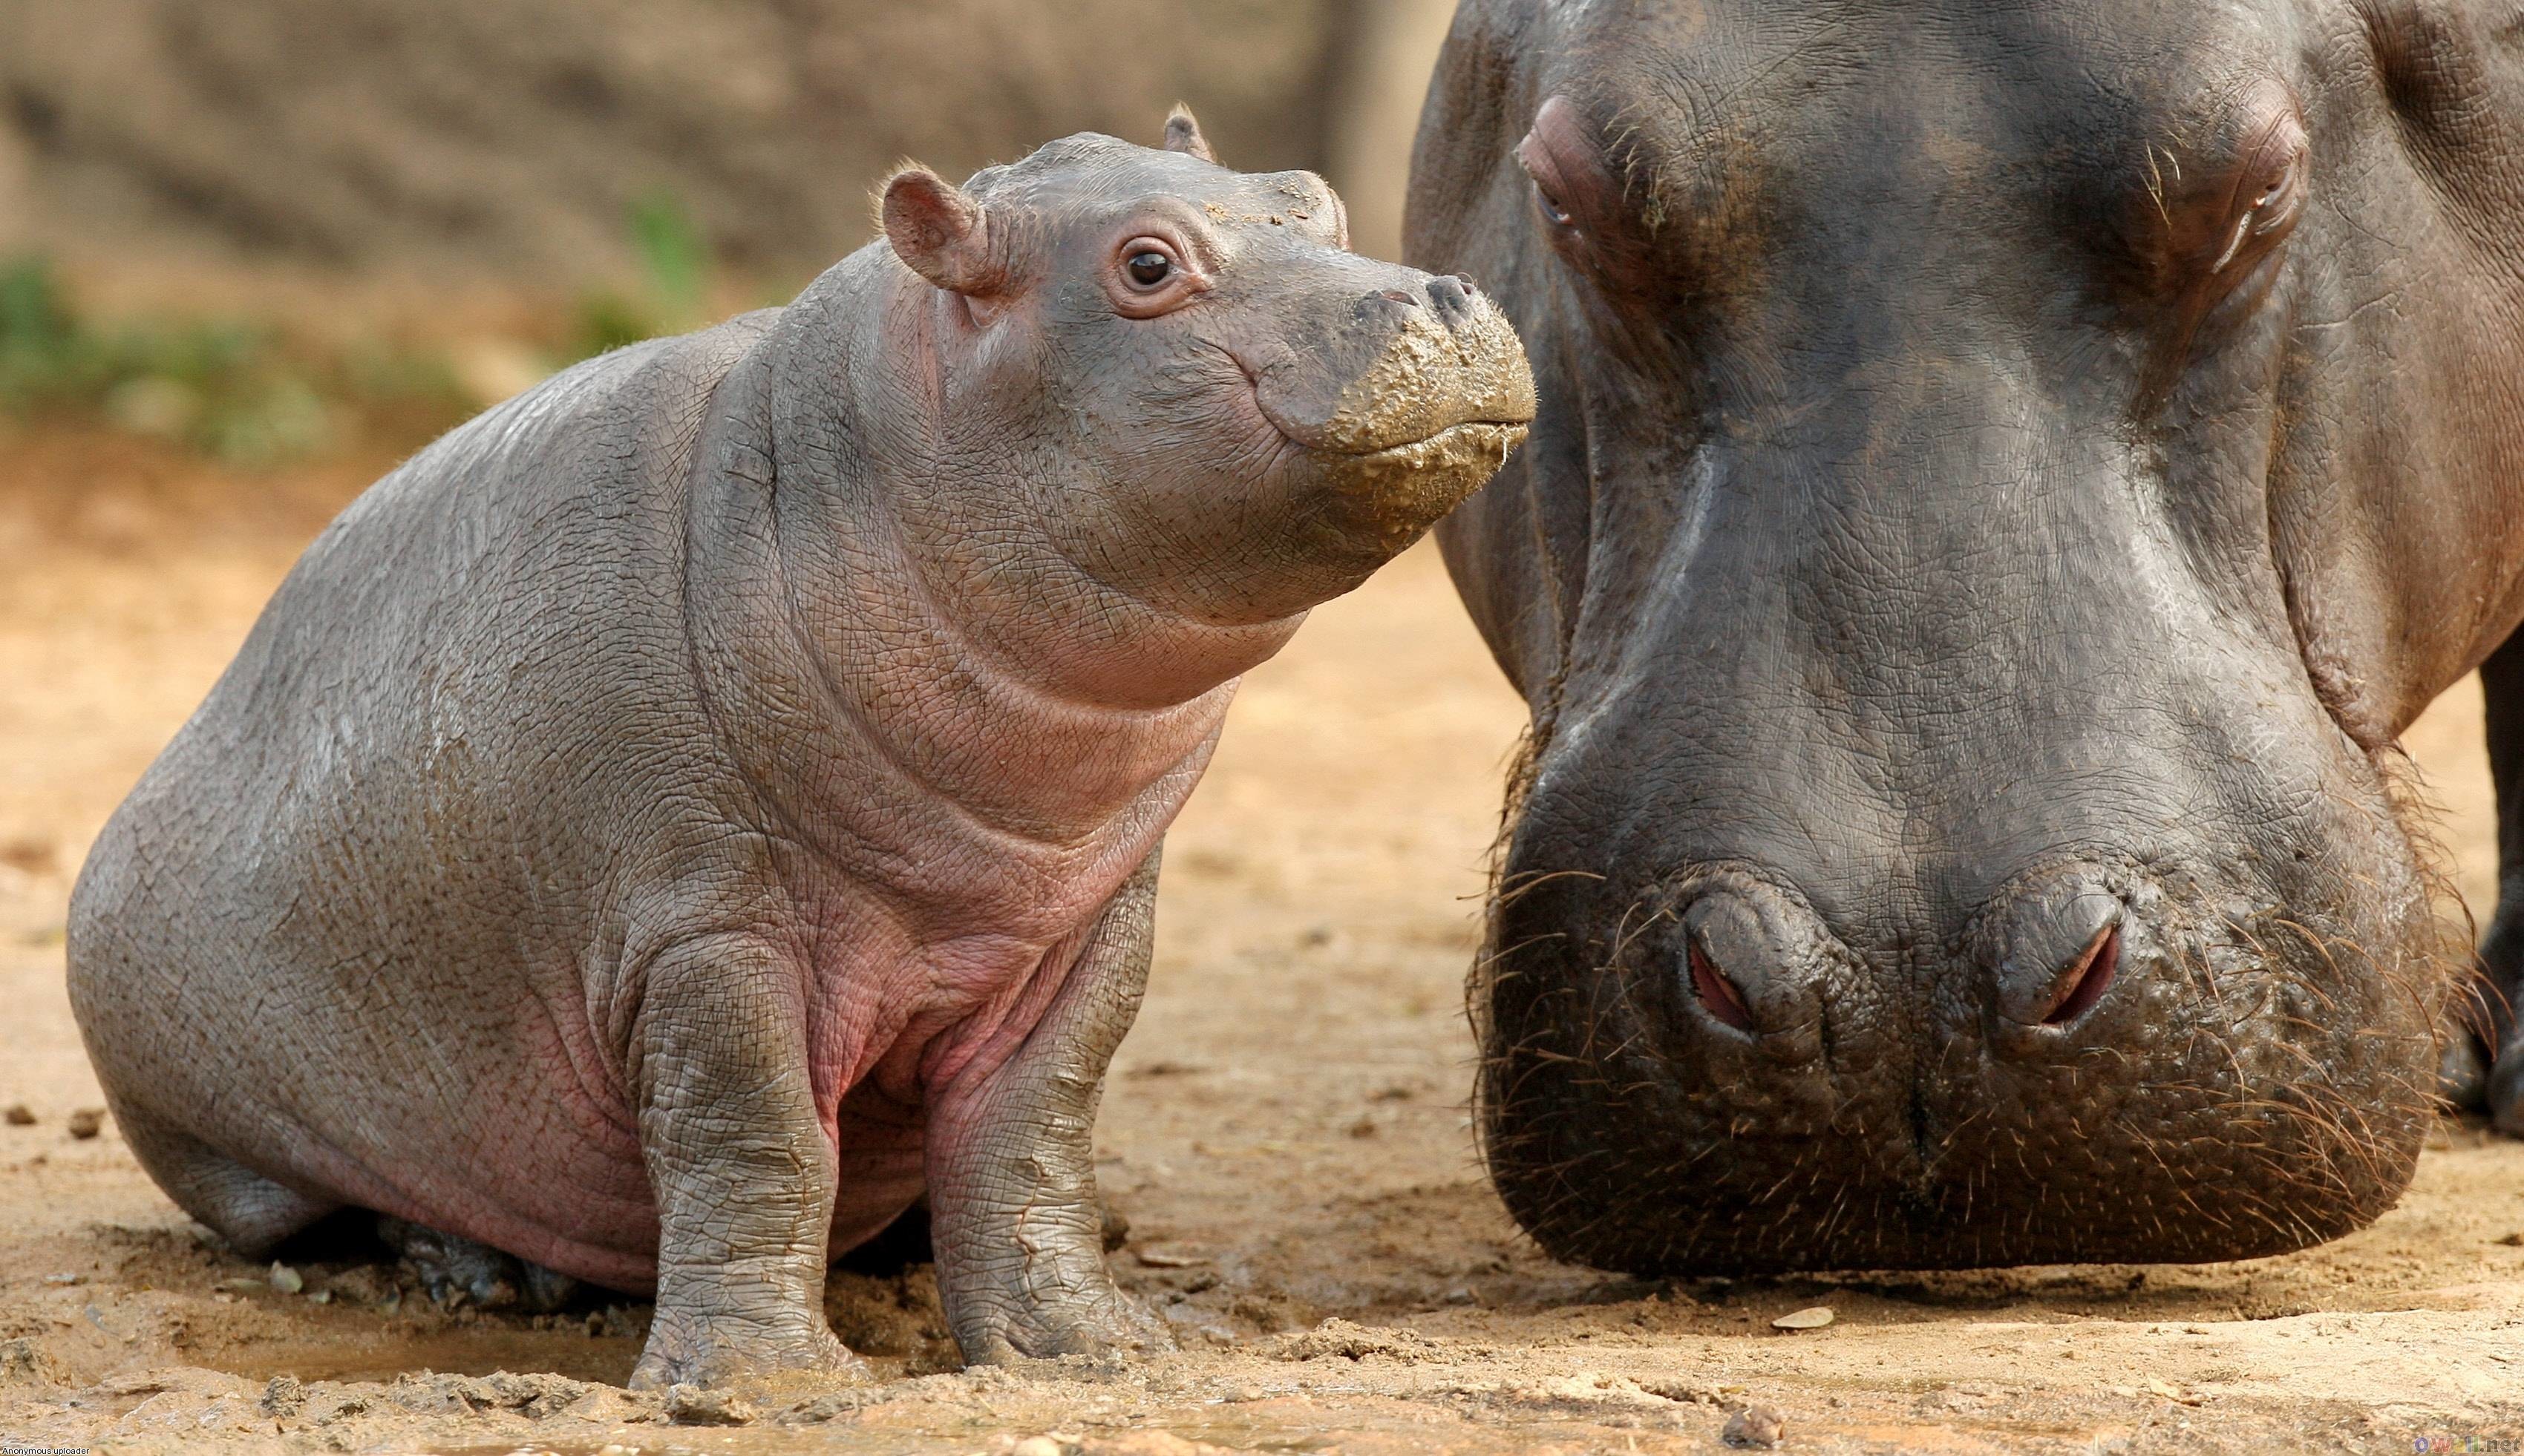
(1430, 354)
(1407, 401)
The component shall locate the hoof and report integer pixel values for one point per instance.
(714, 1354)
(1112, 1323)
(2462, 1073)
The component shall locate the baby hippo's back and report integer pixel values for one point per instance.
(341, 931)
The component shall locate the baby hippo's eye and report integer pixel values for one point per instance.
(1150, 276)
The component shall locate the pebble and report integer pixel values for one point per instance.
(284, 1397)
(1757, 1425)
(1804, 1319)
(287, 1280)
(1036, 1446)
(86, 1122)
(691, 1405)
(1164, 1256)
(20, 1115)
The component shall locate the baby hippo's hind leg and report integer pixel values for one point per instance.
(455, 1270)
(253, 1213)
(1011, 1157)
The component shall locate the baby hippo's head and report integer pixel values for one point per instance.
(1211, 402)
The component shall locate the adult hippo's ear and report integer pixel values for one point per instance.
(1183, 134)
(940, 233)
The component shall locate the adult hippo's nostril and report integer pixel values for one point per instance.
(2086, 979)
(1753, 960)
(2059, 951)
(1717, 992)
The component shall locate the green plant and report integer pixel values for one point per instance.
(242, 391)
(672, 291)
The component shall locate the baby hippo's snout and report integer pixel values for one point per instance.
(1407, 397)
(1454, 299)
(1412, 359)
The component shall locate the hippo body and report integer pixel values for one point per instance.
(690, 812)
(2004, 475)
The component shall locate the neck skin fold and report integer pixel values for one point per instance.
(945, 631)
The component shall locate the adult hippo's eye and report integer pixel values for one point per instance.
(1149, 269)
(2208, 217)
(1563, 158)
(1552, 212)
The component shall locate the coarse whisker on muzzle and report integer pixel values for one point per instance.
(1622, 936)
(1483, 963)
(1510, 888)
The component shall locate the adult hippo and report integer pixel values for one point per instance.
(2005, 475)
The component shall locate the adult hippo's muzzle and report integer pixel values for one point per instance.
(2080, 935)
(1980, 537)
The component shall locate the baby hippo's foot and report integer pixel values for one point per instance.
(456, 1270)
(1009, 1323)
(691, 1349)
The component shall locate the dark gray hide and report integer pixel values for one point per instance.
(2004, 475)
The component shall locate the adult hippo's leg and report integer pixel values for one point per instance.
(1018, 1229)
(2501, 951)
(742, 1172)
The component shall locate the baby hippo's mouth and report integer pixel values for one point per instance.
(1492, 439)
(1398, 415)
(1421, 375)
(1386, 495)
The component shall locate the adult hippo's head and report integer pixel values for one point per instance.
(2004, 475)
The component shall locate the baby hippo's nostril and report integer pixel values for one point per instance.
(2060, 952)
(1452, 297)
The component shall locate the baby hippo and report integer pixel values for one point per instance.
(701, 807)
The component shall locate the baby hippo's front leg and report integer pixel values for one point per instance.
(1011, 1166)
(742, 1170)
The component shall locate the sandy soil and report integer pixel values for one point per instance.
(1286, 1135)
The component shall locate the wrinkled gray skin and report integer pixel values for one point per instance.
(2004, 475)
(693, 810)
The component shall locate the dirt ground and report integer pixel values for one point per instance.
(1285, 1133)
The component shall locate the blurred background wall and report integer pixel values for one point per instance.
(460, 142)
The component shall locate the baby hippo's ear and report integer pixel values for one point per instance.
(938, 232)
(1183, 134)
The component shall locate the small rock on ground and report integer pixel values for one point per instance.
(691, 1405)
(1757, 1427)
